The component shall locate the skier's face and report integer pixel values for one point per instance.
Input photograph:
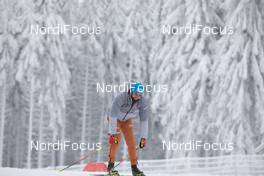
(136, 96)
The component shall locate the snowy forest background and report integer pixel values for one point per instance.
(48, 82)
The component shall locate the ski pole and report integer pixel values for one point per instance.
(75, 162)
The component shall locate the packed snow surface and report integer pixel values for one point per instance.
(39, 172)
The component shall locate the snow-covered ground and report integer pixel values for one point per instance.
(39, 172)
(234, 165)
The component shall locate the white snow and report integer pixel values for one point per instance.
(39, 172)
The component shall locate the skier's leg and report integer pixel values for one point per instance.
(128, 131)
(113, 148)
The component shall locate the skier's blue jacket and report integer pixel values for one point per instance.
(122, 110)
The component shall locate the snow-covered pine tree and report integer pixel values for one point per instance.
(94, 15)
(74, 57)
(42, 63)
(238, 79)
(185, 62)
(115, 46)
(176, 8)
(9, 50)
(58, 74)
(28, 67)
(85, 58)
(140, 32)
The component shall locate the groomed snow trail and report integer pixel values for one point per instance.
(39, 172)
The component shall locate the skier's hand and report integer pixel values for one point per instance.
(113, 139)
(142, 143)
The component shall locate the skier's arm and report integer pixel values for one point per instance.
(144, 116)
(114, 113)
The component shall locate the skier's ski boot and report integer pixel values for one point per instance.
(136, 171)
(111, 171)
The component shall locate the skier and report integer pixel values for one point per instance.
(125, 107)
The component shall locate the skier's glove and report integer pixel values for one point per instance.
(113, 139)
(142, 143)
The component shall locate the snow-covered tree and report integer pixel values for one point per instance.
(42, 64)
(184, 63)
(238, 79)
(9, 49)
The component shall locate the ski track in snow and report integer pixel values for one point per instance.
(38, 172)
